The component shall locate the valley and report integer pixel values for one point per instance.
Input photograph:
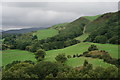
(66, 44)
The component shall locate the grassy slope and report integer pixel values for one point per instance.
(75, 62)
(79, 49)
(91, 18)
(12, 55)
(43, 34)
(82, 37)
(99, 22)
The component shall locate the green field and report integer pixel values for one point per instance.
(91, 18)
(45, 33)
(12, 55)
(82, 37)
(80, 48)
(76, 62)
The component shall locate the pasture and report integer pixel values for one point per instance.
(45, 33)
(76, 62)
(9, 56)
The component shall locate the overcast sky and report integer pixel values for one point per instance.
(17, 15)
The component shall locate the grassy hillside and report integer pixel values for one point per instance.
(76, 62)
(106, 32)
(80, 48)
(45, 33)
(75, 28)
(91, 18)
(82, 37)
(59, 26)
(99, 22)
(12, 55)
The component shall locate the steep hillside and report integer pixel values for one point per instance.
(99, 22)
(106, 31)
(73, 29)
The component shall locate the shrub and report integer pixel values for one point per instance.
(92, 48)
(40, 54)
(61, 58)
(68, 56)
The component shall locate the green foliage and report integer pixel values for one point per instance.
(19, 71)
(40, 54)
(107, 31)
(34, 37)
(69, 56)
(98, 23)
(85, 63)
(43, 69)
(110, 72)
(100, 39)
(92, 48)
(73, 29)
(61, 58)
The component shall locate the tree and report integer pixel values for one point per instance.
(34, 37)
(85, 63)
(61, 58)
(20, 70)
(40, 54)
(42, 69)
(111, 72)
(100, 39)
(68, 56)
(114, 40)
(92, 48)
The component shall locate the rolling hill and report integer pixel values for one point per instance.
(92, 25)
(45, 33)
(106, 29)
(98, 22)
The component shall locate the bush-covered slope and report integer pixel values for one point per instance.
(99, 22)
(107, 32)
(73, 29)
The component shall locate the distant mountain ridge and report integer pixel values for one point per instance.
(23, 30)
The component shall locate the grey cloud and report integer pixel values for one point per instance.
(25, 15)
